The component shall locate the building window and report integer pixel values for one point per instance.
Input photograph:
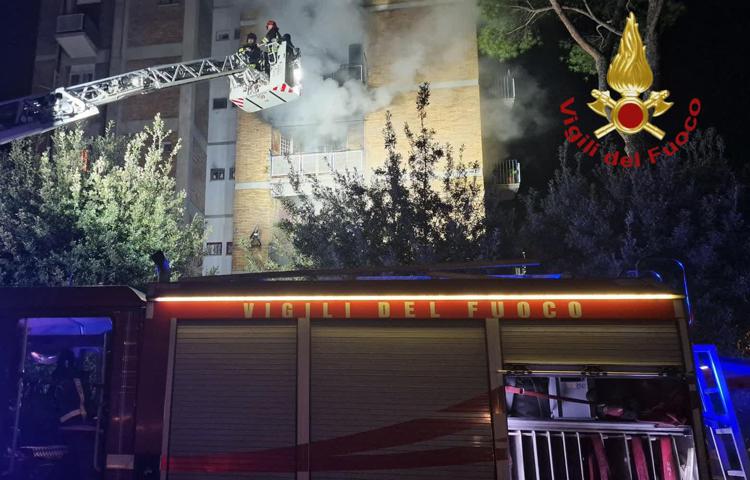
(220, 103)
(217, 174)
(213, 248)
(236, 33)
(168, 147)
(229, 248)
(231, 173)
(221, 36)
(168, 2)
(81, 74)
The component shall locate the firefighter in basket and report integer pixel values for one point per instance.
(251, 53)
(271, 42)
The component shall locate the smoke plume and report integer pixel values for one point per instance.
(323, 30)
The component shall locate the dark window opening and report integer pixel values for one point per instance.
(220, 103)
(229, 248)
(217, 174)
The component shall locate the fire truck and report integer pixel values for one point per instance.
(331, 375)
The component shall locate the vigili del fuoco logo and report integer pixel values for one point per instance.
(629, 75)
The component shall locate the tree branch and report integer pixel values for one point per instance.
(655, 8)
(586, 46)
(652, 17)
(586, 13)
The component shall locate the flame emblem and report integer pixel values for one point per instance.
(630, 75)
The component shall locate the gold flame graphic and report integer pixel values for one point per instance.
(629, 73)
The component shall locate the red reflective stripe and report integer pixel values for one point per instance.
(338, 453)
(668, 469)
(601, 457)
(283, 87)
(283, 460)
(639, 458)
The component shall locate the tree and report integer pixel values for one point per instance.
(512, 27)
(92, 210)
(600, 223)
(405, 214)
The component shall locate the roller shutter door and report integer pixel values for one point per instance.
(591, 342)
(233, 396)
(400, 400)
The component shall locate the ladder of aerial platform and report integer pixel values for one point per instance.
(37, 114)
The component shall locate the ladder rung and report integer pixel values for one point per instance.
(736, 473)
(724, 431)
(711, 390)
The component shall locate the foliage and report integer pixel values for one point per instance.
(406, 212)
(690, 208)
(512, 27)
(576, 59)
(502, 35)
(91, 211)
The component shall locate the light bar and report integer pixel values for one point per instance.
(460, 297)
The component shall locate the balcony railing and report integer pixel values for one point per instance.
(77, 35)
(317, 163)
(509, 175)
(564, 449)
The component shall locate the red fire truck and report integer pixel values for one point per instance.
(464, 378)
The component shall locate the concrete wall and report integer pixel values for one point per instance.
(222, 135)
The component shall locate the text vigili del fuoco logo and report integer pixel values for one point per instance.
(630, 75)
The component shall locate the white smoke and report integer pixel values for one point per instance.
(324, 29)
(503, 123)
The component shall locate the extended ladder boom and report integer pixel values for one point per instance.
(32, 115)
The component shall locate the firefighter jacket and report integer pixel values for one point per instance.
(272, 35)
(251, 54)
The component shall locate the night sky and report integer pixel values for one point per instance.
(18, 25)
(703, 55)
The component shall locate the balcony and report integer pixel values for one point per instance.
(77, 35)
(322, 165)
(509, 175)
(350, 72)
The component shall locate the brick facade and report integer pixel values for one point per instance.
(151, 23)
(454, 112)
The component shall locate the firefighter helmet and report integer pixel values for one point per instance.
(270, 24)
